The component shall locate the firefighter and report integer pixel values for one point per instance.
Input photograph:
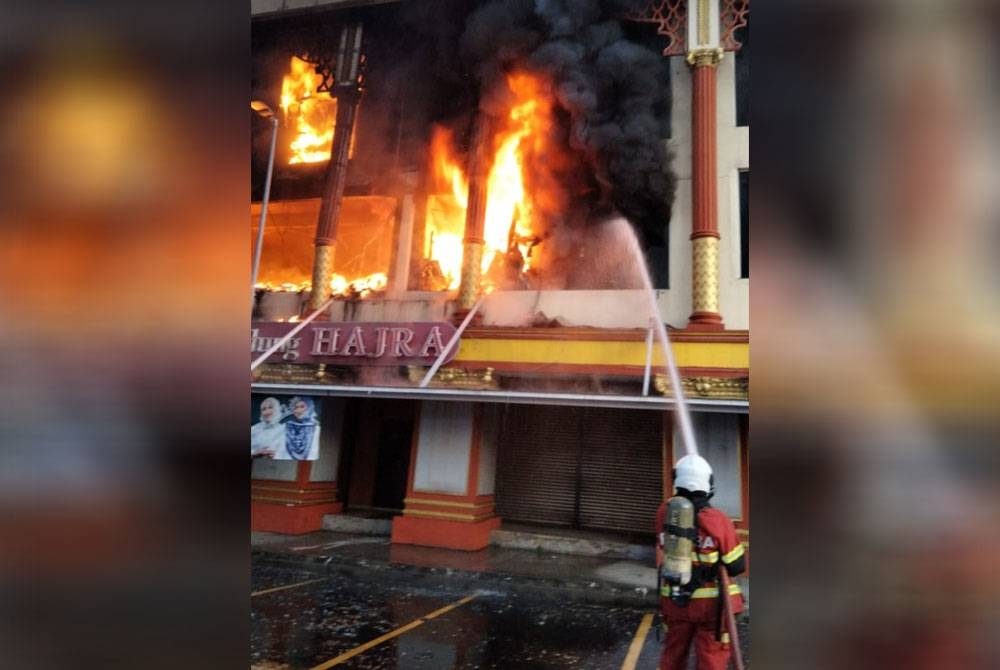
(692, 612)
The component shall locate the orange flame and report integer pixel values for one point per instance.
(510, 204)
(446, 167)
(313, 113)
(446, 212)
(339, 285)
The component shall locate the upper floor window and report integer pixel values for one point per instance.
(744, 224)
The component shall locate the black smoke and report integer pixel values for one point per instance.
(613, 91)
(436, 62)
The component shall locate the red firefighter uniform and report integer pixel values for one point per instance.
(700, 620)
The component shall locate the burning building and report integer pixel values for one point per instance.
(479, 217)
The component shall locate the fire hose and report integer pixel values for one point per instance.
(729, 618)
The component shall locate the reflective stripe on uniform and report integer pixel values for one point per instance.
(705, 591)
(713, 591)
(711, 557)
(733, 555)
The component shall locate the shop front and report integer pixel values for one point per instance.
(485, 442)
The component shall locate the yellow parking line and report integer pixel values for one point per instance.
(287, 586)
(636, 647)
(391, 634)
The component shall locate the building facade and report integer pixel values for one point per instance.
(468, 376)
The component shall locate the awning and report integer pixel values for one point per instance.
(498, 396)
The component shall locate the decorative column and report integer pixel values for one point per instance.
(400, 277)
(704, 54)
(292, 497)
(701, 29)
(347, 86)
(475, 216)
(293, 505)
(450, 492)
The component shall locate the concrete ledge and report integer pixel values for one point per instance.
(556, 544)
(345, 523)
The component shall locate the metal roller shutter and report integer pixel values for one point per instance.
(621, 482)
(537, 464)
(581, 467)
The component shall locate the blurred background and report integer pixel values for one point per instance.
(123, 324)
(875, 319)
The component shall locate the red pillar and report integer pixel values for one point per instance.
(461, 518)
(705, 197)
(292, 507)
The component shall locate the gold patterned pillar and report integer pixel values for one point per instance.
(475, 216)
(347, 89)
(333, 196)
(322, 275)
(472, 262)
(705, 279)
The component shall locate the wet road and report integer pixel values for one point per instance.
(306, 619)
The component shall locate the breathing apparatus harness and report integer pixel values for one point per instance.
(679, 538)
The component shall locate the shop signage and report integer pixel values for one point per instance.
(348, 343)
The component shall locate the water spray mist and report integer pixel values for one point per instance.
(683, 415)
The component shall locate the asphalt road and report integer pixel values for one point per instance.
(308, 619)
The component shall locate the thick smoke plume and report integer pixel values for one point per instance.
(613, 91)
(612, 99)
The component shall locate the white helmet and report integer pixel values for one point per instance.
(693, 473)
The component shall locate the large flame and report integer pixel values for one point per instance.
(446, 211)
(313, 113)
(509, 206)
(509, 225)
